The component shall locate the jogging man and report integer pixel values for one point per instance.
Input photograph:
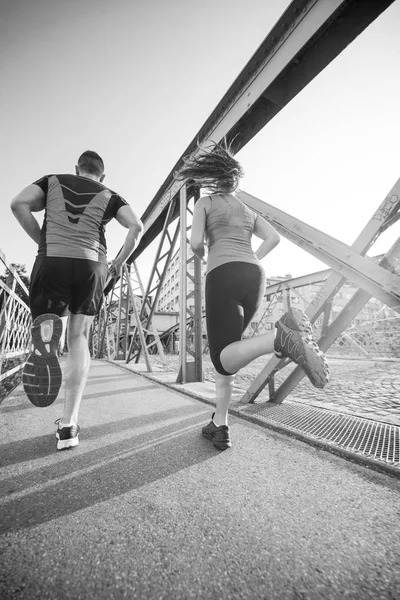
(68, 277)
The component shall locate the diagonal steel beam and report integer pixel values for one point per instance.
(385, 213)
(361, 271)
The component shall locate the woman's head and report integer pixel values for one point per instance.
(216, 171)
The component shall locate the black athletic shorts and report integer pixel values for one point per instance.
(58, 284)
(234, 292)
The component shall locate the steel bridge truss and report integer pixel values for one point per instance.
(122, 330)
(380, 280)
(309, 35)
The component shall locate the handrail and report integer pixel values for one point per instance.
(15, 321)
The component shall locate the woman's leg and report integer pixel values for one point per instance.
(293, 339)
(223, 389)
(241, 353)
(233, 293)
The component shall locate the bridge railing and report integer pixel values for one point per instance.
(15, 321)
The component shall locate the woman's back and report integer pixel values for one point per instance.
(229, 227)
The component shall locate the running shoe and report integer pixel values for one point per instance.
(294, 340)
(220, 436)
(68, 437)
(42, 375)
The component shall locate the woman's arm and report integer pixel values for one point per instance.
(198, 228)
(270, 237)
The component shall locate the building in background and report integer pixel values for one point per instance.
(168, 301)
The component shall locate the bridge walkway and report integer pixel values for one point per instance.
(145, 507)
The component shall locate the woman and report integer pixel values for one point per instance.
(235, 284)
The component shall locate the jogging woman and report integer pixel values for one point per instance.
(235, 284)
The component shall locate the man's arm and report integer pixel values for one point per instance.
(30, 200)
(127, 217)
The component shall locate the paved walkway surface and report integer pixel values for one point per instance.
(147, 508)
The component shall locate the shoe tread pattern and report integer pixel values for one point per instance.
(304, 351)
(42, 376)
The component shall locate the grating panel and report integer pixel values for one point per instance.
(379, 441)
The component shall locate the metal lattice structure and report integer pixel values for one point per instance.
(379, 280)
(309, 35)
(15, 322)
(121, 331)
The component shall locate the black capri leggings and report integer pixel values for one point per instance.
(234, 292)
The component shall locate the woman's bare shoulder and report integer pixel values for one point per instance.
(204, 201)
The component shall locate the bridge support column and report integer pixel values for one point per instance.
(190, 330)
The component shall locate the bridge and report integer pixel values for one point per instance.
(166, 370)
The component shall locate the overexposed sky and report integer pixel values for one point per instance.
(136, 80)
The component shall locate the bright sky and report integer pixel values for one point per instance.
(135, 81)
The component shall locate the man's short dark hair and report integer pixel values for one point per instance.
(91, 162)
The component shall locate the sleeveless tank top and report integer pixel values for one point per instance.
(229, 227)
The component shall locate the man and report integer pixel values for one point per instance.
(68, 277)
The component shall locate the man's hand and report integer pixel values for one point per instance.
(116, 268)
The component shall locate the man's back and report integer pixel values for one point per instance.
(77, 210)
(68, 278)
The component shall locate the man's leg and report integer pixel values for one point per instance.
(77, 367)
(64, 320)
(49, 295)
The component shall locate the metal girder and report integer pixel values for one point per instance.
(308, 36)
(144, 329)
(190, 322)
(104, 339)
(132, 299)
(297, 282)
(361, 271)
(155, 286)
(150, 297)
(283, 286)
(386, 213)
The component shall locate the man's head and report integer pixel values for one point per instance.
(91, 165)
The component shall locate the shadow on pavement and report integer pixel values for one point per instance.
(45, 445)
(27, 405)
(106, 473)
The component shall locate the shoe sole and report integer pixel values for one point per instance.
(311, 358)
(67, 444)
(41, 376)
(218, 445)
(313, 363)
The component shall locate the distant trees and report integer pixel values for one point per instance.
(8, 278)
